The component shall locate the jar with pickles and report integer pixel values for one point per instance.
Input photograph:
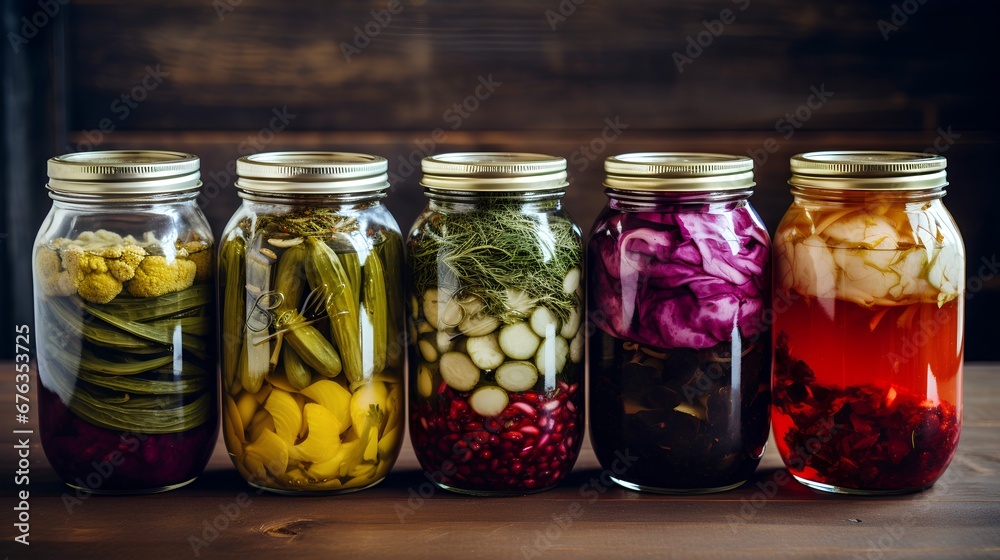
(869, 286)
(680, 351)
(312, 323)
(124, 312)
(495, 291)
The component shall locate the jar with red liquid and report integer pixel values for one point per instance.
(869, 285)
(496, 344)
(679, 281)
(124, 282)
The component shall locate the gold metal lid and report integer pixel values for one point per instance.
(494, 172)
(124, 172)
(868, 170)
(678, 172)
(312, 173)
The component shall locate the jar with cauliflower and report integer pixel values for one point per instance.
(869, 277)
(124, 304)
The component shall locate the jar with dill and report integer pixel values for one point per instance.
(124, 313)
(496, 306)
(680, 352)
(313, 341)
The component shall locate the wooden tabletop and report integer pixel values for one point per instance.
(769, 517)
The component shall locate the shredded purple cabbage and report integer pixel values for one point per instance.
(682, 279)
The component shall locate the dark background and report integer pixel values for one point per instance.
(229, 64)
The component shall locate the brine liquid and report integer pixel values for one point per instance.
(867, 399)
(692, 420)
(101, 460)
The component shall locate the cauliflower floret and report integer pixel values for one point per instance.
(91, 276)
(99, 287)
(156, 276)
(122, 260)
(54, 280)
(203, 264)
(97, 264)
(108, 237)
(197, 252)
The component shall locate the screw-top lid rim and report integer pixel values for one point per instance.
(312, 172)
(494, 172)
(124, 172)
(678, 172)
(868, 170)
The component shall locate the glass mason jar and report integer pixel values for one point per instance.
(868, 323)
(124, 313)
(312, 323)
(496, 353)
(679, 283)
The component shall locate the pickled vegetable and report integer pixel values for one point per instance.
(868, 349)
(496, 306)
(327, 414)
(680, 357)
(127, 359)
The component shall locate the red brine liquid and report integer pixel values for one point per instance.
(867, 399)
(99, 460)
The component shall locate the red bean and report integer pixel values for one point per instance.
(525, 408)
(530, 445)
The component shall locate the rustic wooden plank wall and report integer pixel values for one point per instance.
(211, 77)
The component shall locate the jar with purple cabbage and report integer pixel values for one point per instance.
(679, 282)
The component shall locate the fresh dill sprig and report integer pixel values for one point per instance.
(302, 221)
(494, 248)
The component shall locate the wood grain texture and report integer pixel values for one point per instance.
(958, 518)
(607, 58)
